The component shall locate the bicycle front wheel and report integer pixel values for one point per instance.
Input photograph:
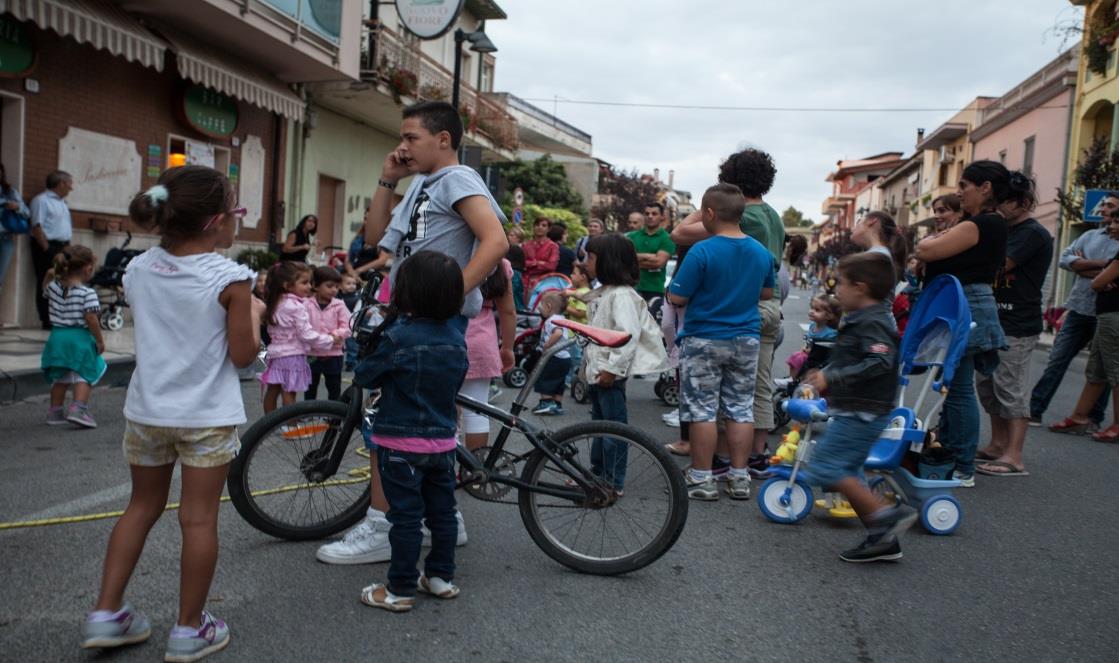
(634, 528)
(278, 482)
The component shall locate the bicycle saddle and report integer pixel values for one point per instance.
(604, 337)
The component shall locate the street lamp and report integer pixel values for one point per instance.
(479, 43)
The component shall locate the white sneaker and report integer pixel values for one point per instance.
(460, 541)
(671, 418)
(367, 543)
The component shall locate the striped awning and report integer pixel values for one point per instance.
(221, 72)
(94, 22)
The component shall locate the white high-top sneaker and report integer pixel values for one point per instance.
(367, 543)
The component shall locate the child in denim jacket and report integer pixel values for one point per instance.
(419, 366)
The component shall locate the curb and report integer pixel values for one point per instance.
(20, 385)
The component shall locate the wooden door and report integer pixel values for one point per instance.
(330, 209)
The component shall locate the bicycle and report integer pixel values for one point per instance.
(297, 478)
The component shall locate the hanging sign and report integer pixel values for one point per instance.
(16, 52)
(428, 19)
(209, 112)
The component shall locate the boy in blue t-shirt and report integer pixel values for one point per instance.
(721, 281)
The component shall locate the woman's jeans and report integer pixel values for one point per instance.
(1075, 334)
(419, 487)
(609, 456)
(7, 249)
(959, 420)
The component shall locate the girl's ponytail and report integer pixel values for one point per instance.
(1022, 190)
(891, 237)
(71, 260)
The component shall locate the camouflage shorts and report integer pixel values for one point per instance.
(153, 446)
(717, 379)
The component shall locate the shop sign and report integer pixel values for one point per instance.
(428, 19)
(106, 171)
(16, 52)
(209, 112)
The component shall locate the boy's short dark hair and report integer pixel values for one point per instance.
(616, 262)
(655, 203)
(556, 231)
(428, 285)
(873, 269)
(437, 116)
(326, 275)
(726, 200)
(516, 257)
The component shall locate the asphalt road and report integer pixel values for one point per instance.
(1030, 574)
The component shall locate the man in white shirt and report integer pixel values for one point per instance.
(51, 230)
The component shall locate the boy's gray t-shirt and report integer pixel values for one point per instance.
(425, 220)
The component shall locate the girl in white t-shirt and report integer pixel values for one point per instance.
(195, 324)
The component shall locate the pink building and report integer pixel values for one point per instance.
(1028, 128)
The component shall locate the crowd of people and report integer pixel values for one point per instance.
(457, 280)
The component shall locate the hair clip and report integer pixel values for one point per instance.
(158, 194)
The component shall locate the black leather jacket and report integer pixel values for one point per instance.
(862, 373)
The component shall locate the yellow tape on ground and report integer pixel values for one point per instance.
(66, 520)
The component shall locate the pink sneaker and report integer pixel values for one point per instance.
(79, 414)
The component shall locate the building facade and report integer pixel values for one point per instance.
(851, 178)
(115, 92)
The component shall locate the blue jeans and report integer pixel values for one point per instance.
(609, 456)
(1074, 336)
(7, 249)
(842, 451)
(419, 487)
(959, 420)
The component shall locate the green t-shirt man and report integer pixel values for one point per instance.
(652, 280)
(763, 223)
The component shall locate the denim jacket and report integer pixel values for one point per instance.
(419, 366)
(862, 372)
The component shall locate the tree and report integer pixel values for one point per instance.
(794, 218)
(620, 194)
(1098, 169)
(544, 182)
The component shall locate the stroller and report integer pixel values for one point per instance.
(108, 281)
(901, 464)
(529, 326)
(786, 388)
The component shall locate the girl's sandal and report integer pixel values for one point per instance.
(1108, 435)
(1072, 427)
(679, 448)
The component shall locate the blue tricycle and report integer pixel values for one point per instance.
(934, 341)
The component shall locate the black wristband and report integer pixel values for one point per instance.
(391, 186)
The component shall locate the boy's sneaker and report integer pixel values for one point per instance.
(759, 466)
(891, 522)
(460, 541)
(56, 416)
(557, 410)
(367, 543)
(123, 627)
(79, 414)
(966, 480)
(738, 487)
(671, 418)
(1035, 420)
(544, 407)
(186, 644)
(873, 549)
(438, 587)
(379, 596)
(701, 490)
(719, 469)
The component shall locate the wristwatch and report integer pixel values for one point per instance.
(391, 186)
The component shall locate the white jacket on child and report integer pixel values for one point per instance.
(620, 308)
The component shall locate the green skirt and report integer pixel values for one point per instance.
(72, 349)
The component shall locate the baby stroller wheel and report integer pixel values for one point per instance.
(579, 391)
(658, 388)
(941, 515)
(670, 394)
(112, 319)
(785, 502)
(515, 377)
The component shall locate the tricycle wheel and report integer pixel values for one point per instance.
(783, 501)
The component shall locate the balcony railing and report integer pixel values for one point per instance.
(407, 72)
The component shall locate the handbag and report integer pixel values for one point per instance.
(12, 222)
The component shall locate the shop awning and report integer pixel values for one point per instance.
(93, 22)
(223, 73)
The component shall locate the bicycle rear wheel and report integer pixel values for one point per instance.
(276, 481)
(629, 531)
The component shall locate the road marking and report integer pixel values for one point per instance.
(82, 503)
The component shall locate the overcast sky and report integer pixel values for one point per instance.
(812, 53)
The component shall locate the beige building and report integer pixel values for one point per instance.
(945, 151)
